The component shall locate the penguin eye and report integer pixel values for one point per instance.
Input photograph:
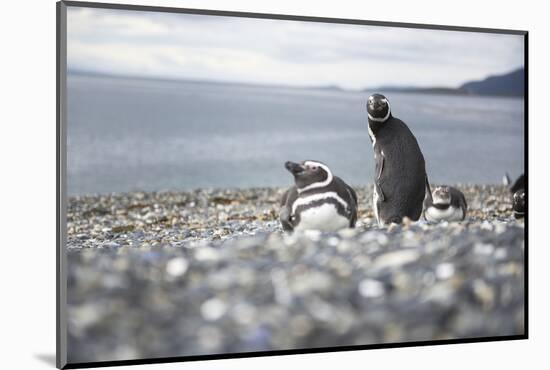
(314, 168)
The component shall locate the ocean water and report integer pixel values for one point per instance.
(127, 134)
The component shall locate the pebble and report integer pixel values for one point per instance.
(177, 266)
(213, 309)
(501, 254)
(484, 293)
(333, 241)
(395, 259)
(110, 245)
(371, 288)
(210, 338)
(444, 271)
(483, 249)
(207, 254)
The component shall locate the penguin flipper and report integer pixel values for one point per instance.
(284, 217)
(381, 196)
(353, 194)
(284, 198)
(353, 209)
(285, 214)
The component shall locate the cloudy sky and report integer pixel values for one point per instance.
(282, 52)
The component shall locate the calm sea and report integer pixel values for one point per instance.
(128, 134)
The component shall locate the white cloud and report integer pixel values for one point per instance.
(282, 52)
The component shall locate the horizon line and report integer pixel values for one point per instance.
(334, 87)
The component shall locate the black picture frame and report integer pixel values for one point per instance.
(61, 185)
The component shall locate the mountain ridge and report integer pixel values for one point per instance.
(507, 84)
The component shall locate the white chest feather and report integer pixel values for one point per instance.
(450, 214)
(324, 218)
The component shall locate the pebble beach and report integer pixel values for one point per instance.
(164, 274)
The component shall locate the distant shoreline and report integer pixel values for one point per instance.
(466, 89)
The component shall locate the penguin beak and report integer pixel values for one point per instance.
(294, 168)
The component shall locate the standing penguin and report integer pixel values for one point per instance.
(400, 180)
(318, 200)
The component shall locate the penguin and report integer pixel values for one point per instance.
(400, 180)
(318, 200)
(518, 203)
(517, 189)
(518, 197)
(517, 185)
(445, 204)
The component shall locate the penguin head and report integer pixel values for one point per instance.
(442, 195)
(518, 201)
(309, 174)
(378, 108)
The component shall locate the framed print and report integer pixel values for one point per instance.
(239, 184)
